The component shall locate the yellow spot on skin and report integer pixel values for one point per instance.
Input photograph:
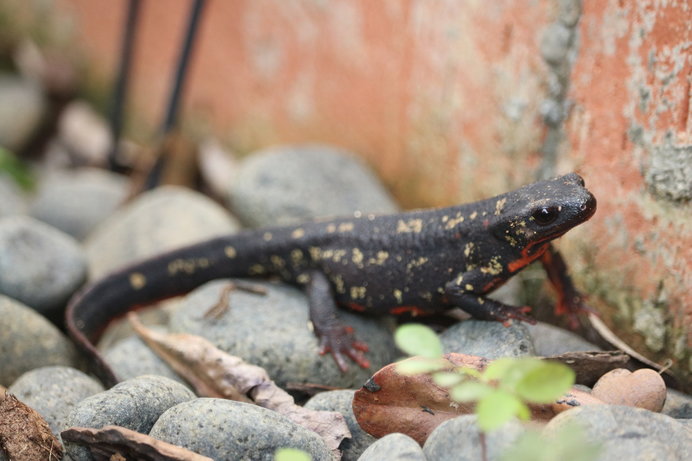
(468, 287)
(331, 228)
(380, 258)
(296, 256)
(397, 295)
(427, 296)
(371, 217)
(267, 236)
(298, 233)
(230, 252)
(494, 267)
(338, 283)
(277, 261)
(358, 292)
(189, 266)
(473, 215)
(459, 279)
(499, 206)
(452, 223)
(256, 269)
(315, 253)
(445, 218)
(468, 249)
(416, 263)
(137, 280)
(412, 225)
(441, 290)
(480, 300)
(512, 241)
(345, 227)
(357, 257)
(303, 278)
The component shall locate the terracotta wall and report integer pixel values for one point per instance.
(454, 100)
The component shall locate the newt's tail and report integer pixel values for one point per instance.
(165, 276)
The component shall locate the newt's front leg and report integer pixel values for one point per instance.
(570, 301)
(333, 335)
(460, 293)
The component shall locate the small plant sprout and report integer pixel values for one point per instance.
(291, 454)
(501, 391)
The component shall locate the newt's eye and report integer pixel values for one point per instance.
(546, 215)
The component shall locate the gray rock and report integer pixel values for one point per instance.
(84, 133)
(234, 431)
(39, 265)
(629, 433)
(272, 331)
(458, 439)
(13, 200)
(135, 404)
(29, 341)
(487, 339)
(292, 184)
(551, 340)
(394, 447)
(53, 392)
(131, 357)
(555, 43)
(76, 201)
(157, 221)
(678, 405)
(23, 106)
(341, 401)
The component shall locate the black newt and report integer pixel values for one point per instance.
(423, 260)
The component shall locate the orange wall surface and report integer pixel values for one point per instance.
(456, 100)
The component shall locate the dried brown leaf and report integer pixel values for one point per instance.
(119, 443)
(414, 405)
(589, 366)
(24, 434)
(214, 373)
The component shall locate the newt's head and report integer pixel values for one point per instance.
(542, 211)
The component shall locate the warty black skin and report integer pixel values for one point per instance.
(429, 260)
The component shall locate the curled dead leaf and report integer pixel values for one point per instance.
(214, 373)
(119, 443)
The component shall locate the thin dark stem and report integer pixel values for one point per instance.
(120, 91)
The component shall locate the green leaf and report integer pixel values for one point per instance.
(291, 454)
(497, 369)
(446, 378)
(472, 372)
(496, 408)
(545, 382)
(529, 446)
(469, 391)
(417, 339)
(420, 365)
(568, 443)
(11, 165)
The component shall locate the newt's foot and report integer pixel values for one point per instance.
(505, 314)
(573, 306)
(342, 344)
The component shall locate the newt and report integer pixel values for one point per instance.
(422, 261)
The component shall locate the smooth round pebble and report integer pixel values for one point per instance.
(292, 184)
(54, 391)
(157, 221)
(629, 433)
(394, 447)
(28, 341)
(458, 439)
(39, 265)
(643, 388)
(234, 431)
(550, 340)
(131, 357)
(678, 405)
(341, 401)
(13, 200)
(75, 201)
(272, 331)
(135, 404)
(23, 106)
(488, 339)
